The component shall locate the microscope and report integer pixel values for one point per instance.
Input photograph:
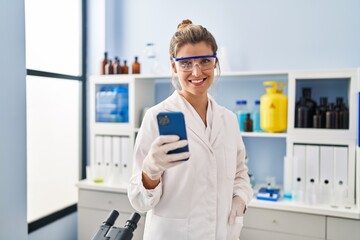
(107, 231)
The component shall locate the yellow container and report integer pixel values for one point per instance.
(273, 108)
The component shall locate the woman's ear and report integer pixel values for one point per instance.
(173, 67)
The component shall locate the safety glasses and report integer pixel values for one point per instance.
(187, 64)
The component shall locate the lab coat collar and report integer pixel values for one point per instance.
(176, 103)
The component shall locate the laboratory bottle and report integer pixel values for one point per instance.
(109, 68)
(330, 117)
(103, 63)
(135, 66)
(125, 68)
(322, 110)
(306, 94)
(241, 110)
(318, 119)
(248, 123)
(116, 66)
(255, 116)
(273, 108)
(341, 114)
(303, 115)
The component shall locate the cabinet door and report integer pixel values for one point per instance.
(89, 221)
(341, 229)
(305, 225)
(255, 234)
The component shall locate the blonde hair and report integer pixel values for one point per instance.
(187, 32)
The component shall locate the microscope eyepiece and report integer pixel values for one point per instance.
(110, 220)
(132, 222)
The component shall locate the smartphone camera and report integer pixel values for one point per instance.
(164, 120)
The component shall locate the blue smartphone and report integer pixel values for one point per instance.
(173, 123)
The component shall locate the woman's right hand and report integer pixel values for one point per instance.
(157, 160)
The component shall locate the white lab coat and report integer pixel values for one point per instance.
(193, 200)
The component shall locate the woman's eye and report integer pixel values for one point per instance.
(205, 61)
(185, 63)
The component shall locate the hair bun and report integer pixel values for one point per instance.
(184, 23)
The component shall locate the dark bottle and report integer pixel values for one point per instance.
(322, 110)
(109, 68)
(311, 104)
(135, 69)
(125, 68)
(330, 117)
(116, 66)
(303, 115)
(104, 62)
(318, 119)
(341, 114)
(248, 123)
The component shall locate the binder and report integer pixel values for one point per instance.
(340, 175)
(340, 166)
(312, 164)
(327, 173)
(99, 157)
(299, 159)
(116, 160)
(312, 173)
(107, 151)
(125, 158)
(116, 151)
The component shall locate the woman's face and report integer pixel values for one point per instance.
(196, 81)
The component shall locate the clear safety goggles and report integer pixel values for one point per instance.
(187, 64)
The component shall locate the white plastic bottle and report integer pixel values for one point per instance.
(241, 110)
(255, 116)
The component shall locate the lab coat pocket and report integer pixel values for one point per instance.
(168, 228)
(234, 230)
(230, 159)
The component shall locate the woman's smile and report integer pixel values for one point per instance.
(197, 82)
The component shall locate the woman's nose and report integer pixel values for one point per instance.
(196, 71)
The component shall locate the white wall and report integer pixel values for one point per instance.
(258, 35)
(13, 223)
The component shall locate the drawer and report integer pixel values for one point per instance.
(104, 200)
(254, 234)
(342, 228)
(285, 222)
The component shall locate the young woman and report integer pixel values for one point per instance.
(204, 197)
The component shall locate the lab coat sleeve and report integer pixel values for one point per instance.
(242, 186)
(140, 198)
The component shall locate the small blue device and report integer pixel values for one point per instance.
(269, 194)
(173, 123)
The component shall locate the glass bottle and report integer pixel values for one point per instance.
(125, 68)
(330, 117)
(116, 66)
(255, 116)
(109, 68)
(103, 63)
(303, 114)
(248, 123)
(318, 119)
(322, 110)
(310, 103)
(136, 66)
(241, 111)
(341, 114)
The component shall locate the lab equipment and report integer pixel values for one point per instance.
(273, 108)
(241, 110)
(107, 231)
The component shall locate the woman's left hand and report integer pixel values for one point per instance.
(237, 209)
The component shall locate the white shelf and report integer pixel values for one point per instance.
(107, 187)
(288, 205)
(263, 135)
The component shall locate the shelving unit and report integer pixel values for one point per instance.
(147, 90)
